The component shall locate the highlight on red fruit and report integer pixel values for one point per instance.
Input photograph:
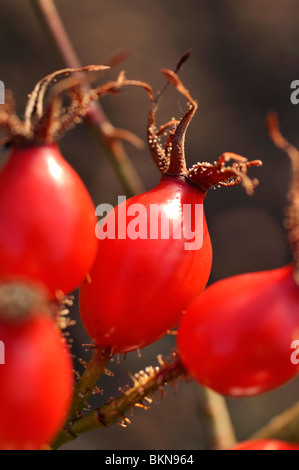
(146, 283)
(140, 285)
(47, 220)
(236, 337)
(47, 231)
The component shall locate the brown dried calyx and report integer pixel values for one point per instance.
(19, 301)
(292, 211)
(170, 159)
(58, 102)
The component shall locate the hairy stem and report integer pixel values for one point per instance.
(97, 121)
(88, 380)
(145, 383)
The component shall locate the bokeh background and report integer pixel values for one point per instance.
(244, 58)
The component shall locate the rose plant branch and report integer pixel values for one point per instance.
(106, 135)
(284, 427)
(218, 429)
(146, 384)
(116, 327)
(86, 383)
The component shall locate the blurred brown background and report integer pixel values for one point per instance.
(244, 58)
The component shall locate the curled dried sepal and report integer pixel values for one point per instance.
(292, 212)
(58, 102)
(10, 123)
(80, 99)
(116, 85)
(160, 155)
(171, 160)
(207, 175)
(71, 78)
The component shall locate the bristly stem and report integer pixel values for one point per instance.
(105, 133)
(147, 383)
(86, 383)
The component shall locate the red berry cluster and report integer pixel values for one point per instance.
(48, 244)
(238, 336)
(233, 337)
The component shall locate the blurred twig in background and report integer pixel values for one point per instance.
(283, 427)
(217, 426)
(105, 133)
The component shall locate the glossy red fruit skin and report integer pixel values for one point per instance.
(139, 288)
(236, 337)
(36, 383)
(47, 231)
(265, 444)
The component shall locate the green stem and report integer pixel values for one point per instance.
(145, 383)
(84, 388)
(284, 427)
(217, 426)
(97, 121)
(85, 385)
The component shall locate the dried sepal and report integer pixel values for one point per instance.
(292, 212)
(72, 77)
(10, 104)
(205, 175)
(159, 154)
(50, 124)
(10, 123)
(81, 100)
(177, 160)
(116, 85)
(61, 100)
(171, 159)
(173, 78)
